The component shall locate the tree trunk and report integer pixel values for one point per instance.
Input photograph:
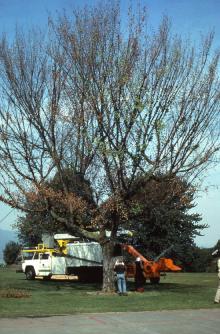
(108, 267)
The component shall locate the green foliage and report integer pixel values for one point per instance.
(193, 259)
(159, 125)
(159, 214)
(76, 184)
(11, 252)
(32, 225)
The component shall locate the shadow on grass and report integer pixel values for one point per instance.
(62, 285)
(171, 287)
(55, 285)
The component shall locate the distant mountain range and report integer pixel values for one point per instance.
(5, 237)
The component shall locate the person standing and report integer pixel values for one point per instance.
(120, 269)
(139, 275)
(217, 295)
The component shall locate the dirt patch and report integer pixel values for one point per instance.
(14, 293)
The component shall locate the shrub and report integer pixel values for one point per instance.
(11, 252)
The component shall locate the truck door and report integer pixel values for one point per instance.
(44, 264)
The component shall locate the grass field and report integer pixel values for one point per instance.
(44, 298)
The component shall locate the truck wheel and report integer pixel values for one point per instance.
(30, 273)
(155, 280)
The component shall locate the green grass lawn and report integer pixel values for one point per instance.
(176, 291)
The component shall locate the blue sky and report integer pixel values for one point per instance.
(191, 18)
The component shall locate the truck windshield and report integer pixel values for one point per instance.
(27, 255)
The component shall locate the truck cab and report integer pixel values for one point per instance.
(36, 263)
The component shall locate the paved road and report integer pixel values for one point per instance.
(164, 322)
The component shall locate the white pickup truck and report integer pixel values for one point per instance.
(82, 259)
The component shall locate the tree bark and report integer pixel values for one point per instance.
(108, 266)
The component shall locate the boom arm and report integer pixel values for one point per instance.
(152, 268)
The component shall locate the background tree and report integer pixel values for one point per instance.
(33, 224)
(194, 259)
(11, 252)
(159, 215)
(113, 101)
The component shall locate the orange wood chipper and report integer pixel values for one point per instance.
(152, 270)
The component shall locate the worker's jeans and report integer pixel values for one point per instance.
(121, 283)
